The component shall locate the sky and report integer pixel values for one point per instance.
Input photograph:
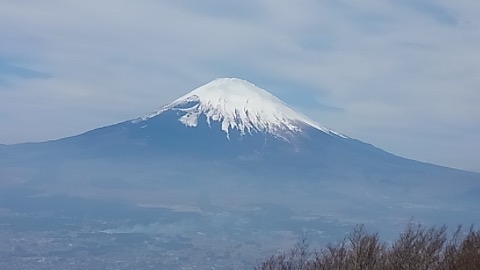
(403, 75)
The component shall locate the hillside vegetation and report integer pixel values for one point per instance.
(417, 247)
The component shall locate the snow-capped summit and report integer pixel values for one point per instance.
(239, 104)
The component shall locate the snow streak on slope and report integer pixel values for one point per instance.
(239, 104)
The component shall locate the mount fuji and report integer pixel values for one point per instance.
(232, 119)
(231, 161)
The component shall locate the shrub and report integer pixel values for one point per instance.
(417, 247)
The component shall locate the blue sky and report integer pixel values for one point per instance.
(403, 75)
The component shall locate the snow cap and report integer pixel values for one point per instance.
(239, 104)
